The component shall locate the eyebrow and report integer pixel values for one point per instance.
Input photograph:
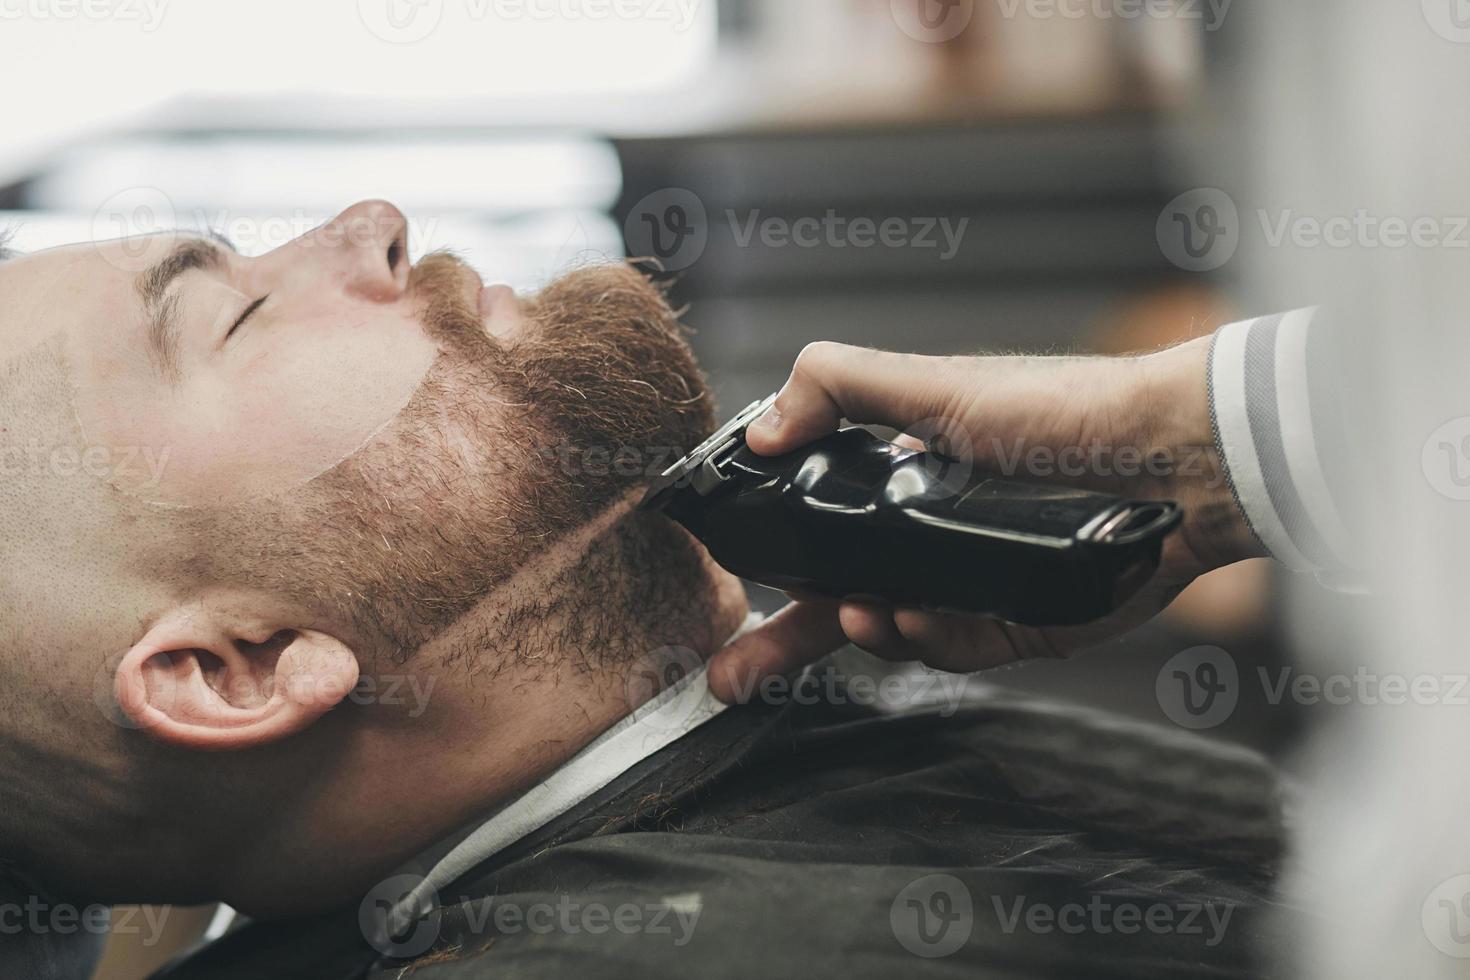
(161, 310)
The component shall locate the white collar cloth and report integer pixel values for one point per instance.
(656, 724)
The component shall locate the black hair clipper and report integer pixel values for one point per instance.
(852, 515)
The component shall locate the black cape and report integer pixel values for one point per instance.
(1015, 838)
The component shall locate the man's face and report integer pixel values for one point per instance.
(361, 458)
(204, 377)
(327, 426)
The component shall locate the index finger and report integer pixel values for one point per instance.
(800, 633)
(833, 381)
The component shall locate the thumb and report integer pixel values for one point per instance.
(831, 382)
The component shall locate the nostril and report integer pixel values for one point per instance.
(395, 254)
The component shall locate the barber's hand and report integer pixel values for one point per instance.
(1136, 427)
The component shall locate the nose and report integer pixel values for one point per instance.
(368, 245)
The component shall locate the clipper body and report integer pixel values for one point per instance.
(852, 515)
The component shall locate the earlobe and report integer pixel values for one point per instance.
(203, 682)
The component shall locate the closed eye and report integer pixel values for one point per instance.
(248, 312)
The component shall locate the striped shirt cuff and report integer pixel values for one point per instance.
(1274, 431)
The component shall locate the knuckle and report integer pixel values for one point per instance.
(817, 356)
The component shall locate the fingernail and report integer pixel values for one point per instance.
(770, 420)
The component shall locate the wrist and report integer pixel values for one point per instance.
(1180, 434)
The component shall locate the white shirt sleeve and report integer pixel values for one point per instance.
(1278, 427)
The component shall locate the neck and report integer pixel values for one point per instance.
(539, 670)
(29, 948)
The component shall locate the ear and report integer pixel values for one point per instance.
(207, 680)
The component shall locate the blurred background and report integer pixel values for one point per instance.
(940, 176)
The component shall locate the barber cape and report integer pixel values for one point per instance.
(818, 834)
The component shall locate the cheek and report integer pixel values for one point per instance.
(283, 409)
(304, 412)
